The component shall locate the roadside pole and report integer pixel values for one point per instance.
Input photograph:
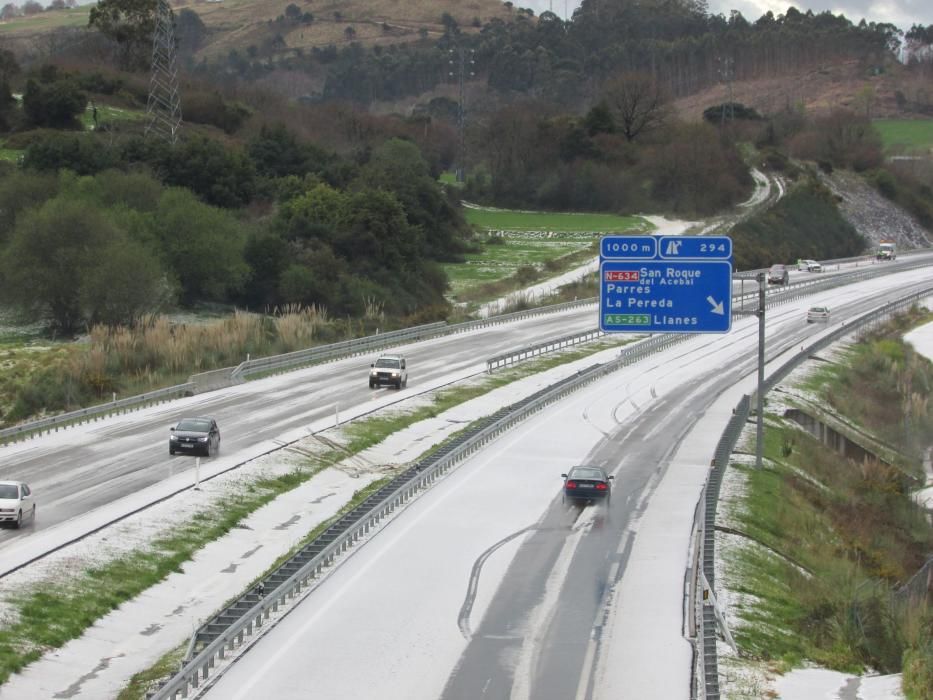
(197, 473)
(760, 409)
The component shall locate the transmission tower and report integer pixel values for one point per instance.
(460, 60)
(727, 75)
(163, 109)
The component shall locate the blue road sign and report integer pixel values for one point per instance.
(628, 248)
(694, 247)
(665, 296)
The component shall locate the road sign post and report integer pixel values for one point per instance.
(665, 284)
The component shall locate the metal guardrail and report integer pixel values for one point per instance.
(216, 379)
(346, 348)
(775, 295)
(213, 379)
(513, 356)
(82, 415)
(706, 622)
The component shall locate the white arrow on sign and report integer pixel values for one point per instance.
(717, 307)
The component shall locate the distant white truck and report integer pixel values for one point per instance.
(886, 251)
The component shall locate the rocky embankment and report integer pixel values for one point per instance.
(873, 216)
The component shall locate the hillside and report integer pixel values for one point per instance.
(238, 24)
(842, 85)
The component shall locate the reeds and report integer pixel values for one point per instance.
(296, 326)
(156, 348)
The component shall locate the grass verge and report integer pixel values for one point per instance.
(826, 541)
(51, 614)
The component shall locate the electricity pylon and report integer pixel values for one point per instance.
(459, 59)
(163, 108)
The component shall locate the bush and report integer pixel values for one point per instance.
(918, 671)
(211, 108)
(84, 154)
(57, 104)
(885, 183)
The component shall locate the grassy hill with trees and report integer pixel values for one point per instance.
(308, 177)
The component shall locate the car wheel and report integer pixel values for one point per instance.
(405, 383)
(210, 446)
(19, 520)
(171, 450)
(32, 517)
(372, 386)
(398, 385)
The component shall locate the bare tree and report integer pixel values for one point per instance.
(637, 103)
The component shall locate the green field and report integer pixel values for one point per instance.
(905, 133)
(509, 220)
(497, 262)
(46, 21)
(107, 114)
(536, 246)
(11, 154)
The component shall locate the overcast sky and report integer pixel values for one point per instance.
(903, 13)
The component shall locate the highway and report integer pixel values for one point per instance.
(490, 587)
(84, 467)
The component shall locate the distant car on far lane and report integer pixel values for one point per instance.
(809, 266)
(587, 483)
(17, 503)
(194, 435)
(818, 314)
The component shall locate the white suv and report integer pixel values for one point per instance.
(388, 369)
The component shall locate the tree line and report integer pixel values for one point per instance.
(137, 227)
(683, 47)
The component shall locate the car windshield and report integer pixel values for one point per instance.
(194, 425)
(9, 491)
(777, 268)
(586, 473)
(390, 362)
(819, 309)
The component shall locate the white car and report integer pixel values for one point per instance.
(388, 369)
(818, 314)
(17, 503)
(809, 266)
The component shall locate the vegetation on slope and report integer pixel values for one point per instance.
(829, 542)
(804, 224)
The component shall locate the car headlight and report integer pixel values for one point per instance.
(203, 439)
(395, 374)
(173, 438)
(373, 373)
